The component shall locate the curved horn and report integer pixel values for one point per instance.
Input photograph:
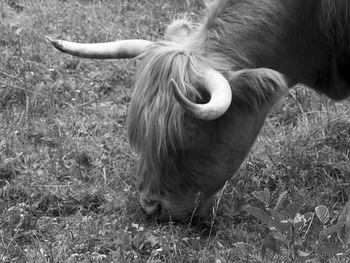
(118, 49)
(220, 97)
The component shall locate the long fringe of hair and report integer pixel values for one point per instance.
(155, 120)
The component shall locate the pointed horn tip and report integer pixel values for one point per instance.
(55, 42)
(50, 39)
(174, 85)
(220, 97)
(187, 105)
(173, 82)
(178, 94)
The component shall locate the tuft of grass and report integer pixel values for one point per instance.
(67, 192)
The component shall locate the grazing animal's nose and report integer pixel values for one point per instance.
(151, 207)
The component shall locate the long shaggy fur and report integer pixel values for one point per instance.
(156, 120)
(229, 41)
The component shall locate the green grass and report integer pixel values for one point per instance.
(67, 191)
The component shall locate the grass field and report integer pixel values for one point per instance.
(67, 191)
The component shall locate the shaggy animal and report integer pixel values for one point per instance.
(202, 94)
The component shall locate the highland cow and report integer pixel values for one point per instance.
(202, 94)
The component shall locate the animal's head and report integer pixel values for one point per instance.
(191, 125)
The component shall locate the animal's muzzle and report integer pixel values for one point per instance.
(151, 207)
